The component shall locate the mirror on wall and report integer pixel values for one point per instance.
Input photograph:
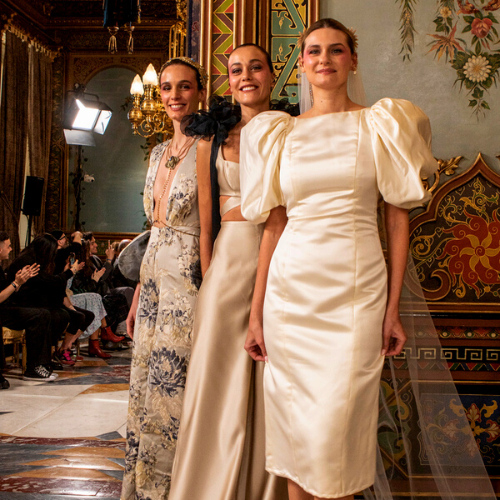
(115, 168)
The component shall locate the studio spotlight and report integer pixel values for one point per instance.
(83, 117)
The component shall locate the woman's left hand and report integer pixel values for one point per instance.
(393, 335)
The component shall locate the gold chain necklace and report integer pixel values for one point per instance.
(171, 164)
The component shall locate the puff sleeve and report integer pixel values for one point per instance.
(262, 141)
(401, 140)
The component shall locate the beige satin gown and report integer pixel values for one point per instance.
(220, 451)
(327, 285)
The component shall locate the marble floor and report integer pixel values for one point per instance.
(64, 440)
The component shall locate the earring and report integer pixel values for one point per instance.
(355, 71)
(311, 94)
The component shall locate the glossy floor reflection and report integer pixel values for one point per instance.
(64, 440)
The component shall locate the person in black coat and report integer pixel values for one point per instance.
(34, 320)
(48, 291)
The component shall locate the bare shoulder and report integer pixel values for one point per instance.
(204, 146)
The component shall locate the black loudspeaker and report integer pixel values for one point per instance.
(33, 193)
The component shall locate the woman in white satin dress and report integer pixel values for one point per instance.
(325, 309)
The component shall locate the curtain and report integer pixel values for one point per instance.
(13, 129)
(40, 122)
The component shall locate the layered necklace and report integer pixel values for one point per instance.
(170, 165)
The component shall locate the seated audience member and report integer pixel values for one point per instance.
(89, 281)
(79, 320)
(35, 321)
(126, 291)
(46, 290)
(117, 279)
(93, 302)
(67, 248)
(115, 245)
(121, 245)
(91, 305)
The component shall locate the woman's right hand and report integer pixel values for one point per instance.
(96, 275)
(254, 344)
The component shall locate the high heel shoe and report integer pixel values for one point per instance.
(95, 350)
(107, 335)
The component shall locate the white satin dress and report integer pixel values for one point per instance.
(327, 284)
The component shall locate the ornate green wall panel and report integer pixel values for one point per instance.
(288, 20)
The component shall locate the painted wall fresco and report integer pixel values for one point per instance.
(466, 35)
(401, 57)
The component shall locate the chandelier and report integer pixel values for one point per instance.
(148, 116)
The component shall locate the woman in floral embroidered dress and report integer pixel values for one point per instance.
(161, 317)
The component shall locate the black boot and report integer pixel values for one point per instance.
(4, 383)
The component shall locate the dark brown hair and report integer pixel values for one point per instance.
(334, 25)
(264, 52)
(42, 250)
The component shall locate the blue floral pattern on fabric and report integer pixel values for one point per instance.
(170, 278)
(167, 372)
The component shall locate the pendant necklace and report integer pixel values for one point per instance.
(173, 160)
(170, 165)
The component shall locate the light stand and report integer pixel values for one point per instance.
(85, 116)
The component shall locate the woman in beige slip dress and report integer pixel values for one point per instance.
(220, 452)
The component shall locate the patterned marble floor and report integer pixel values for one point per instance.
(64, 440)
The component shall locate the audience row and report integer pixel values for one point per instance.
(59, 289)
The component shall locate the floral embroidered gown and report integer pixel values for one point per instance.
(170, 278)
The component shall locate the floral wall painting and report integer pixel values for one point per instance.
(400, 57)
(467, 35)
(407, 29)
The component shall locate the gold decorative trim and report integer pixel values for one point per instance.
(446, 167)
